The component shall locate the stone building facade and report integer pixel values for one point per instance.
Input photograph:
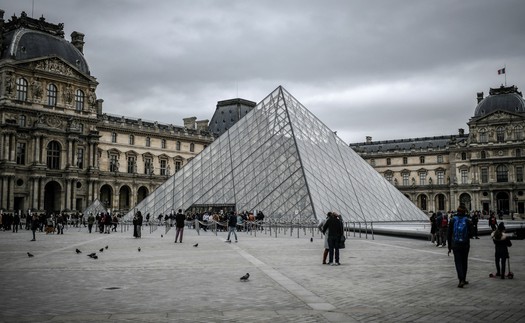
(483, 169)
(58, 149)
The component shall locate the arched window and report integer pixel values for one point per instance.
(53, 155)
(388, 161)
(500, 134)
(21, 89)
(422, 159)
(192, 147)
(52, 94)
(502, 174)
(79, 100)
(463, 156)
(483, 154)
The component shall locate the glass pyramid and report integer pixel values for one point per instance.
(281, 160)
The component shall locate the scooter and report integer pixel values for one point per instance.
(510, 275)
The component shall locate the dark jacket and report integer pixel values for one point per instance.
(179, 220)
(501, 245)
(232, 220)
(334, 226)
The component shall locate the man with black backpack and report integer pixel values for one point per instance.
(458, 236)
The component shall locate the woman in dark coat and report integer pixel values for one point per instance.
(502, 244)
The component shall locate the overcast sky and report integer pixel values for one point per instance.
(387, 69)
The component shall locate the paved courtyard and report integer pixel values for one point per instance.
(388, 279)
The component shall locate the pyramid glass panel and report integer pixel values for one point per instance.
(282, 160)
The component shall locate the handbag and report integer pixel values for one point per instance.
(342, 242)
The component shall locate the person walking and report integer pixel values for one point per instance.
(334, 228)
(458, 238)
(91, 221)
(232, 226)
(34, 225)
(502, 243)
(16, 222)
(179, 225)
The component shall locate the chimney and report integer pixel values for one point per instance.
(202, 125)
(77, 39)
(368, 139)
(189, 123)
(461, 131)
(480, 96)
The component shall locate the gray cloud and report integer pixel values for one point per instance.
(388, 69)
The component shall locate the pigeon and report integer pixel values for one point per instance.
(78, 251)
(106, 247)
(311, 239)
(92, 255)
(196, 245)
(95, 257)
(161, 236)
(245, 277)
(139, 249)
(101, 250)
(30, 255)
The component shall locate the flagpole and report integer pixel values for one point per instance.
(505, 69)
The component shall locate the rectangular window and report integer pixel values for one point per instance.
(372, 162)
(405, 179)
(163, 144)
(131, 139)
(113, 163)
(148, 166)
(80, 158)
(177, 146)
(20, 153)
(405, 160)
(483, 137)
(519, 174)
(440, 158)
(484, 175)
(163, 164)
(113, 137)
(388, 161)
(178, 165)
(131, 164)
(22, 121)
(422, 178)
(464, 176)
(148, 142)
(440, 177)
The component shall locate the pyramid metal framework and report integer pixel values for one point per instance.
(282, 160)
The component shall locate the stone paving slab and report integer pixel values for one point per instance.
(382, 280)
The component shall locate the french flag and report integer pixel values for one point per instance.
(501, 71)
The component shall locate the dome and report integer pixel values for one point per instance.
(25, 38)
(503, 99)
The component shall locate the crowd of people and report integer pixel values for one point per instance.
(456, 229)
(55, 222)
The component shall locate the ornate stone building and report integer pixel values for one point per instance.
(58, 150)
(483, 169)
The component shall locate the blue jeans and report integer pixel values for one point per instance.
(232, 229)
